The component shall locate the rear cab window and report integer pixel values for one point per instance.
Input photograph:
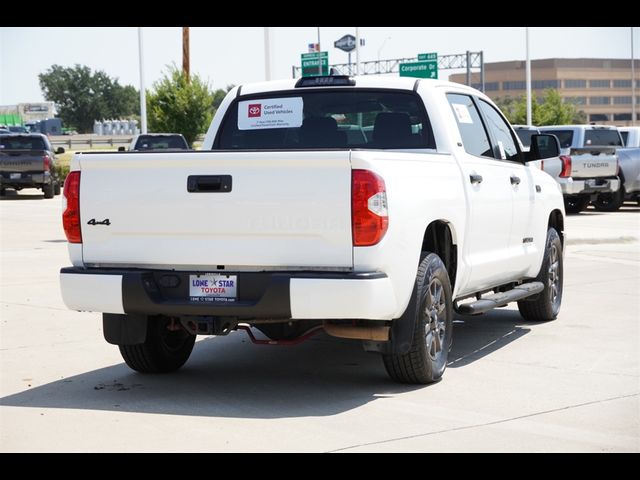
(602, 138)
(155, 142)
(22, 143)
(525, 135)
(319, 119)
(564, 136)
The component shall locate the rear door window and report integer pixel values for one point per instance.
(306, 119)
(474, 136)
(505, 144)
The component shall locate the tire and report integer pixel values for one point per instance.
(546, 305)
(163, 350)
(56, 188)
(575, 204)
(284, 330)
(610, 202)
(48, 190)
(426, 360)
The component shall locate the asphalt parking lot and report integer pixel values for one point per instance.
(568, 385)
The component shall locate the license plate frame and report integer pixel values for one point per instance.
(213, 287)
(15, 176)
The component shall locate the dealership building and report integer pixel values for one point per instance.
(600, 87)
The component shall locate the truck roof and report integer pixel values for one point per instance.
(578, 127)
(362, 81)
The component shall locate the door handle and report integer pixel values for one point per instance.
(475, 178)
(209, 183)
(515, 180)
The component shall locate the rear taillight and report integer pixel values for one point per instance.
(566, 166)
(369, 216)
(71, 214)
(47, 163)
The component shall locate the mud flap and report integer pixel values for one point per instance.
(402, 330)
(128, 329)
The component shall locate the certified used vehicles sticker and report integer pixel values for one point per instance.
(270, 113)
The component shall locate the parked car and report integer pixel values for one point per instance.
(29, 161)
(18, 129)
(587, 166)
(156, 141)
(603, 138)
(282, 224)
(525, 132)
(630, 136)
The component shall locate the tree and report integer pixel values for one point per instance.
(556, 112)
(552, 111)
(219, 95)
(82, 96)
(178, 106)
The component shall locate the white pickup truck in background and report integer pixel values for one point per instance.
(605, 139)
(630, 136)
(370, 207)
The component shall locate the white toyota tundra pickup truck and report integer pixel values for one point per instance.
(368, 207)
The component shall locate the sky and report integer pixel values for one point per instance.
(234, 55)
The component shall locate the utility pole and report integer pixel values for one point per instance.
(528, 78)
(143, 98)
(318, 57)
(633, 83)
(185, 52)
(267, 55)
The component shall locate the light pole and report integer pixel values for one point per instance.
(382, 46)
(528, 79)
(267, 54)
(143, 98)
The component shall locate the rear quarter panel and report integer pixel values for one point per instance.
(421, 188)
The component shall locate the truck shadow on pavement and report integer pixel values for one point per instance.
(13, 195)
(230, 377)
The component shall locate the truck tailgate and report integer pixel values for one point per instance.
(278, 210)
(21, 161)
(593, 162)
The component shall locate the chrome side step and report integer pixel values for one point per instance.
(500, 299)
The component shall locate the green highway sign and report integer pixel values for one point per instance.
(425, 67)
(311, 61)
(428, 69)
(428, 56)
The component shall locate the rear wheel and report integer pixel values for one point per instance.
(546, 305)
(576, 204)
(426, 360)
(48, 190)
(56, 188)
(610, 202)
(166, 348)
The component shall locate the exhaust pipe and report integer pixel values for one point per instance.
(377, 333)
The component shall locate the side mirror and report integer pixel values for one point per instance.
(543, 146)
(59, 150)
(122, 149)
